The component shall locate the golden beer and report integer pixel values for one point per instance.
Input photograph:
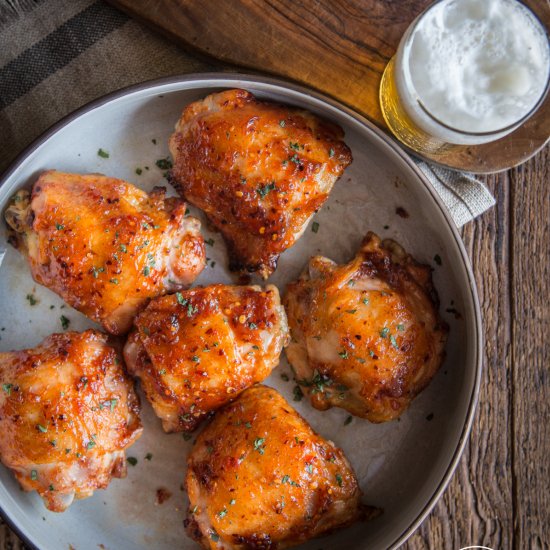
(465, 73)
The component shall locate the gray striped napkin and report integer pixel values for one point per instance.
(56, 55)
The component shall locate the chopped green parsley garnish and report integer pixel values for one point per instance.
(59, 226)
(149, 456)
(330, 153)
(282, 123)
(384, 332)
(32, 300)
(103, 154)
(164, 164)
(437, 259)
(139, 171)
(109, 404)
(7, 388)
(64, 322)
(259, 445)
(339, 479)
(132, 460)
(263, 191)
(298, 393)
(315, 227)
(146, 271)
(343, 354)
(348, 420)
(96, 271)
(210, 242)
(295, 159)
(34, 475)
(41, 428)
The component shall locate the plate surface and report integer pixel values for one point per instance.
(402, 466)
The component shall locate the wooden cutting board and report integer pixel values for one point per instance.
(339, 47)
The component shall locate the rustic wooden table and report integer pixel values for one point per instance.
(500, 494)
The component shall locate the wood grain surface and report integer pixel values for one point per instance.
(339, 47)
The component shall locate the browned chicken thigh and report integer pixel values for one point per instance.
(366, 336)
(260, 477)
(103, 245)
(258, 170)
(196, 350)
(67, 413)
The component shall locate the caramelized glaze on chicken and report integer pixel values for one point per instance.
(366, 336)
(103, 245)
(258, 170)
(67, 413)
(260, 477)
(198, 349)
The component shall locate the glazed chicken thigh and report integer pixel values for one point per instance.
(260, 477)
(258, 170)
(67, 413)
(198, 349)
(103, 245)
(366, 336)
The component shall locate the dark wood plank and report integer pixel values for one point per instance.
(8, 539)
(529, 296)
(340, 47)
(477, 508)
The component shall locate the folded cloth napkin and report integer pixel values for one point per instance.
(56, 55)
(465, 197)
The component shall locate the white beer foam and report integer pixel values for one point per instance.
(478, 65)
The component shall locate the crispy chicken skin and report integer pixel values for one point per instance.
(196, 350)
(259, 477)
(258, 170)
(103, 245)
(67, 413)
(366, 336)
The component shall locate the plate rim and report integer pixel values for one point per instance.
(217, 79)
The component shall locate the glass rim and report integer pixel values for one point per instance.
(406, 42)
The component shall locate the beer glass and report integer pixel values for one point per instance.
(466, 72)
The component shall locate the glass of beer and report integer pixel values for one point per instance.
(466, 72)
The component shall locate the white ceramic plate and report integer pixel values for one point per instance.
(402, 466)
